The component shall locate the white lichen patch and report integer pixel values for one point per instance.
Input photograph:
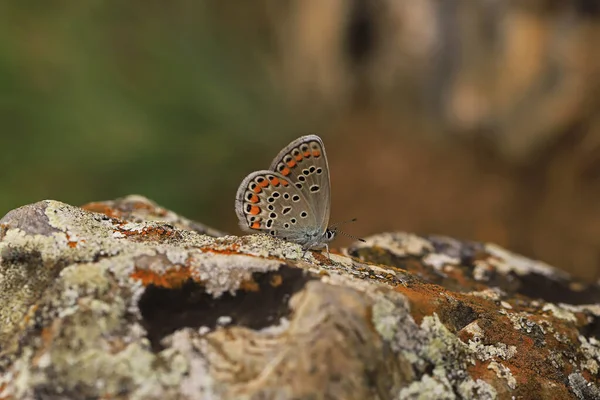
(225, 272)
(260, 245)
(591, 351)
(439, 260)
(506, 305)
(443, 347)
(386, 318)
(474, 330)
(399, 243)
(505, 262)
(197, 382)
(494, 294)
(583, 389)
(559, 312)
(481, 271)
(593, 309)
(503, 372)
(428, 387)
(487, 352)
(476, 389)
(521, 321)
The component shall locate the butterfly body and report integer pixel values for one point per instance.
(292, 199)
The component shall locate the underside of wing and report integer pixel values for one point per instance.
(267, 202)
(304, 163)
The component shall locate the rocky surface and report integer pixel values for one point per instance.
(125, 300)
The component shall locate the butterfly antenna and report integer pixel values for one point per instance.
(334, 227)
(352, 236)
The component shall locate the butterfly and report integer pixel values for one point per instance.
(292, 199)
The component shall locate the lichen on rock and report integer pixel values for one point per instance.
(124, 299)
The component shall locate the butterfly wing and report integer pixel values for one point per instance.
(304, 163)
(268, 202)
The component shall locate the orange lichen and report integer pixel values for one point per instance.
(423, 299)
(2, 388)
(72, 244)
(102, 209)
(30, 313)
(276, 280)
(148, 232)
(249, 286)
(172, 278)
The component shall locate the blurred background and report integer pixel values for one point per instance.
(473, 119)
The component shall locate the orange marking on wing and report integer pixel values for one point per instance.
(254, 199)
(316, 153)
(291, 163)
(275, 182)
(285, 172)
(285, 183)
(255, 210)
(264, 183)
(299, 157)
(255, 225)
(257, 189)
(307, 154)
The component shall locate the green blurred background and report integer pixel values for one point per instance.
(477, 120)
(103, 99)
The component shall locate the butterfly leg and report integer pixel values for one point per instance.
(305, 251)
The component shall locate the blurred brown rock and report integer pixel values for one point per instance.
(475, 119)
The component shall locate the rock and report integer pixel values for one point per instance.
(126, 300)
